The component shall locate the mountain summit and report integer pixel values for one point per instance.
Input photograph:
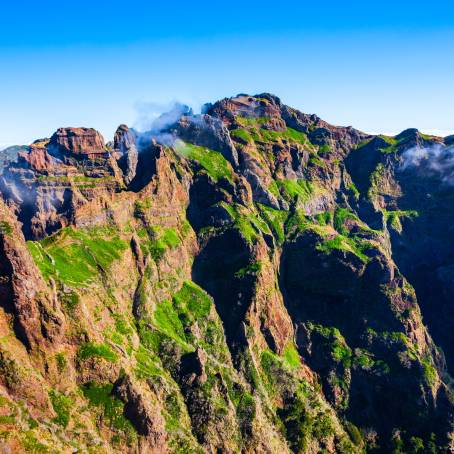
(251, 279)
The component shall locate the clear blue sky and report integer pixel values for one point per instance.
(379, 66)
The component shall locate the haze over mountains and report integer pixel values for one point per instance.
(251, 279)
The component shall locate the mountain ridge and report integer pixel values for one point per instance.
(250, 279)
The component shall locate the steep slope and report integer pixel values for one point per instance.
(237, 281)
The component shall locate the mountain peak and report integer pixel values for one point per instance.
(78, 141)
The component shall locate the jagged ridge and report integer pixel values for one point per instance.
(226, 282)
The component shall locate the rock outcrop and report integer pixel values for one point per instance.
(83, 142)
(128, 155)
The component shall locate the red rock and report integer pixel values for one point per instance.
(37, 158)
(79, 141)
(22, 290)
(260, 106)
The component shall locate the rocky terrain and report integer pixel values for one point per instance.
(251, 279)
(9, 154)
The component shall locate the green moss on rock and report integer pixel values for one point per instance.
(211, 161)
(62, 406)
(75, 256)
(93, 350)
(111, 408)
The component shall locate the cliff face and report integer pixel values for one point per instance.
(257, 283)
(78, 141)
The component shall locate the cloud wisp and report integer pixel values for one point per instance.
(434, 161)
(155, 120)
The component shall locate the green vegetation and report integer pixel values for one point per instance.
(298, 423)
(363, 143)
(62, 406)
(391, 144)
(354, 190)
(394, 218)
(430, 373)
(161, 240)
(189, 305)
(141, 207)
(288, 134)
(147, 364)
(355, 433)
(92, 350)
(245, 408)
(275, 368)
(292, 357)
(111, 408)
(75, 256)
(9, 370)
(301, 190)
(345, 240)
(167, 321)
(304, 421)
(179, 326)
(339, 349)
(7, 419)
(61, 361)
(298, 222)
(342, 243)
(388, 139)
(363, 359)
(192, 300)
(275, 220)
(251, 269)
(252, 121)
(323, 225)
(213, 162)
(325, 218)
(247, 222)
(121, 325)
(271, 366)
(315, 161)
(341, 216)
(5, 228)
(253, 129)
(70, 301)
(241, 134)
(81, 181)
(375, 180)
(324, 149)
(32, 445)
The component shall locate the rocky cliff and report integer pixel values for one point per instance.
(251, 279)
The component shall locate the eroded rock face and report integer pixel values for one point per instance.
(52, 182)
(261, 106)
(38, 159)
(37, 320)
(78, 141)
(143, 414)
(343, 292)
(261, 291)
(206, 131)
(125, 145)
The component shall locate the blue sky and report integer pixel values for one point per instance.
(379, 66)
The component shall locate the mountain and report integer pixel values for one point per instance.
(251, 279)
(10, 154)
